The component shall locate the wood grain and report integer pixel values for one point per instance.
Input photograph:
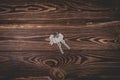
(79, 63)
(78, 37)
(91, 28)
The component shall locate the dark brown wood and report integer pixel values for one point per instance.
(91, 28)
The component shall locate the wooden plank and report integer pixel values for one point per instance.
(59, 66)
(23, 37)
(45, 10)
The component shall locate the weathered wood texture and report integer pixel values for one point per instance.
(90, 27)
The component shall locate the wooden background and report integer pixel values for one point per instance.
(91, 28)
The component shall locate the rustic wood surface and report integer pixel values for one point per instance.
(91, 28)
